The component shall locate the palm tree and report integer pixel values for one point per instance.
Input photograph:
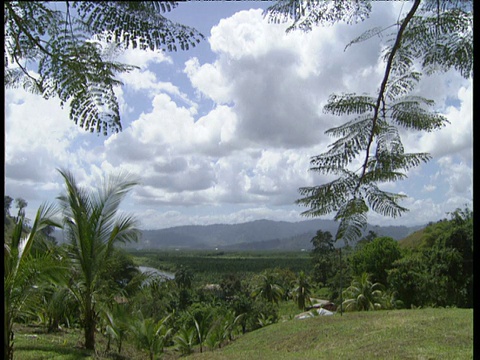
(268, 289)
(362, 294)
(202, 328)
(184, 339)
(302, 291)
(23, 271)
(117, 320)
(151, 335)
(92, 228)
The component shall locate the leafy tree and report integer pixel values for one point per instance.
(243, 305)
(372, 235)
(184, 277)
(71, 50)
(21, 204)
(231, 285)
(375, 258)
(323, 256)
(437, 35)
(92, 228)
(22, 271)
(451, 265)
(411, 281)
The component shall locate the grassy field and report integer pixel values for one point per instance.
(399, 334)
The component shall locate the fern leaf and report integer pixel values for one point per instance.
(347, 104)
(327, 198)
(138, 24)
(309, 13)
(376, 31)
(409, 114)
(353, 220)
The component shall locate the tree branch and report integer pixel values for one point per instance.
(381, 93)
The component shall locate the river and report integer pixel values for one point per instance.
(163, 274)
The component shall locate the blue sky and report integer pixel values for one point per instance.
(223, 133)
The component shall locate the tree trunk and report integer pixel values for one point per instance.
(90, 330)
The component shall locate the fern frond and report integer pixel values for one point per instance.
(382, 202)
(344, 150)
(353, 220)
(402, 85)
(307, 14)
(376, 31)
(329, 197)
(409, 114)
(138, 24)
(356, 125)
(380, 174)
(351, 103)
(388, 140)
(443, 40)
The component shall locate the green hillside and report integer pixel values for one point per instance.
(413, 240)
(399, 334)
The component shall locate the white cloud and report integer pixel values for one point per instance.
(245, 157)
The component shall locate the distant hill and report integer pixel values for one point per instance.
(254, 235)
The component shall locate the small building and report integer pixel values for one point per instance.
(322, 304)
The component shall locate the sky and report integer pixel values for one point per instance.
(224, 132)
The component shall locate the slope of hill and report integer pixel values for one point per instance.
(399, 334)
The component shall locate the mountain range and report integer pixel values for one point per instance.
(253, 235)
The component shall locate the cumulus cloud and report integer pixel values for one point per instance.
(244, 157)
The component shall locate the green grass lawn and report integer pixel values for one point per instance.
(399, 334)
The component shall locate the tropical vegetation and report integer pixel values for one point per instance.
(193, 312)
(90, 283)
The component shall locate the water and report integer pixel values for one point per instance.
(156, 272)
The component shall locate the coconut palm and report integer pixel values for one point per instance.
(268, 289)
(151, 335)
(302, 291)
(92, 228)
(22, 270)
(362, 294)
(185, 339)
(117, 320)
